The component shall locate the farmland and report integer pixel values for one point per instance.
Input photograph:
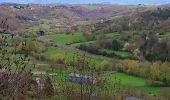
(67, 38)
(75, 39)
(67, 52)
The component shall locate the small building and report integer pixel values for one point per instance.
(42, 36)
(41, 33)
(77, 78)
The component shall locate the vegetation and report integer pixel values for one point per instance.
(79, 58)
(67, 38)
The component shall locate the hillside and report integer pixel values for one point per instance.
(58, 17)
(148, 2)
(156, 19)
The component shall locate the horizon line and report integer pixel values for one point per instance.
(104, 3)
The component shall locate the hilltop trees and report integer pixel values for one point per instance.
(156, 20)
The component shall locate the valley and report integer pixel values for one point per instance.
(85, 52)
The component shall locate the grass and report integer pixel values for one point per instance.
(125, 79)
(128, 80)
(52, 52)
(70, 56)
(44, 27)
(67, 38)
(123, 54)
(113, 34)
(61, 80)
(167, 34)
(78, 44)
(154, 90)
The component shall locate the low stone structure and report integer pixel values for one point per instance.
(38, 73)
(82, 79)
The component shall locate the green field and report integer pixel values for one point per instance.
(85, 51)
(111, 35)
(78, 44)
(52, 52)
(167, 34)
(70, 56)
(67, 38)
(125, 79)
(128, 80)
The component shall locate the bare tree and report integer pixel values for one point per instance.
(15, 79)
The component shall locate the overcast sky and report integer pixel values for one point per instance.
(147, 2)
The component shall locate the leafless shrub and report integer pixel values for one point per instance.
(15, 79)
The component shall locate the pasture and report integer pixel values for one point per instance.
(70, 38)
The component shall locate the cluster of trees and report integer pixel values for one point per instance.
(105, 66)
(98, 51)
(95, 50)
(106, 46)
(32, 46)
(14, 83)
(153, 19)
(155, 48)
(156, 71)
(104, 42)
(17, 81)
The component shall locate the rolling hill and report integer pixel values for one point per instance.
(58, 17)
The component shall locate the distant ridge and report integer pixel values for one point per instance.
(124, 2)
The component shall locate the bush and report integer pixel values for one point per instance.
(58, 59)
(116, 45)
(89, 49)
(154, 83)
(105, 65)
(165, 93)
(32, 47)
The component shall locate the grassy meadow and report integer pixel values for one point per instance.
(67, 38)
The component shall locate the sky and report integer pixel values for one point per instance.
(133, 2)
